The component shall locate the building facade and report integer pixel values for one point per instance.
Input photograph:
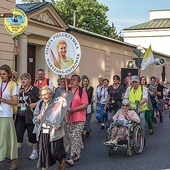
(6, 42)
(101, 56)
(155, 32)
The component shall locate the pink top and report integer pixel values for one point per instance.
(79, 116)
(130, 115)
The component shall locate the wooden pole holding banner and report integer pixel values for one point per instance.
(66, 83)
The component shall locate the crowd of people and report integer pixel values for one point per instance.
(134, 100)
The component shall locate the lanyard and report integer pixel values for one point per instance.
(2, 90)
(25, 91)
(105, 89)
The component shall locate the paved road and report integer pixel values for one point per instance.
(156, 154)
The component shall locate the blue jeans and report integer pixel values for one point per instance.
(87, 124)
(102, 114)
(98, 107)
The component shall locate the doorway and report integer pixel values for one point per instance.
(31, 58)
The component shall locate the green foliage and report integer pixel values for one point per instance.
(91, 16)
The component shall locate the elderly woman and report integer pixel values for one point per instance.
(119, 132)
(8, 139)
(50, 138)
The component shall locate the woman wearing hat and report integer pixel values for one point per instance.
(28, 98)
(124, 114)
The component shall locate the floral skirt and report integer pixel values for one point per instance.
(49, 152)
(118, 132)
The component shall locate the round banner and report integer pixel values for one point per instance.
(16, 24)
(62, 53)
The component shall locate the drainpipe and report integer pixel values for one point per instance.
(75, 19)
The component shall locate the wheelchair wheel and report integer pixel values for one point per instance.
(138, 140)
(111, 150)
(129, 152)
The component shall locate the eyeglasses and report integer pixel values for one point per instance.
(125, 105)
(25, 75)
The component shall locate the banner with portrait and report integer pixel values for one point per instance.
(126, 74)
(62, 53)
(130, 64)
(57, 108)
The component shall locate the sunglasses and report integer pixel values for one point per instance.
(125, 105)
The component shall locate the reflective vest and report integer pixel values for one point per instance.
(137, 95)
(45, 82)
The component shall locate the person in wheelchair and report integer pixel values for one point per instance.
(120, 119)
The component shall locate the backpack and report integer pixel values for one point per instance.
(48, 81)
(14, 107)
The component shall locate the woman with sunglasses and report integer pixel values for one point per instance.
(124, 114)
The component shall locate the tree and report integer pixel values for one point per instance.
(91, 16)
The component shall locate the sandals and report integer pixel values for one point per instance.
(70, 162)
(111, 142)
(76, 158)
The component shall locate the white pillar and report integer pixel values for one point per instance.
(22, 57)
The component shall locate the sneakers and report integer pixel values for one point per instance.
(102, 127)
(154, 121)
(69, 162)
(33, 156)
(19, 145)
(150, 132)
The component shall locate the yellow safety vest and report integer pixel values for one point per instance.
(137, 95)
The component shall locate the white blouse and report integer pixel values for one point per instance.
(6, 110)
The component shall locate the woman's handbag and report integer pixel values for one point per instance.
(89, 109)
(112, 105)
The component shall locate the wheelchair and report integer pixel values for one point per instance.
(133, 140)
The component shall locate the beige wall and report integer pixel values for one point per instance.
(100, 56)
(6, 42)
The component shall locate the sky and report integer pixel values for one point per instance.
(126, 13)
